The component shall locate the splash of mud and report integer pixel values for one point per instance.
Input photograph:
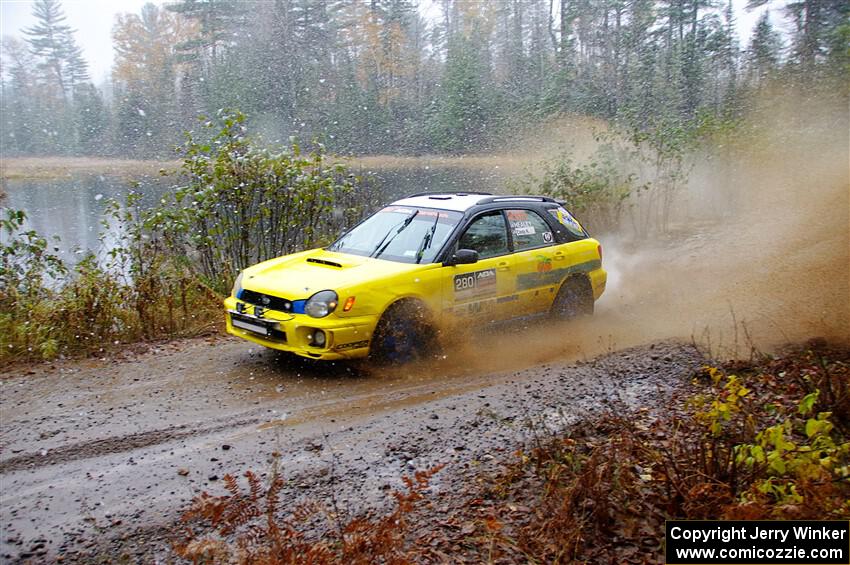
(758, 256)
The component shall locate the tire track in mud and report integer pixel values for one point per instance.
(111, 445)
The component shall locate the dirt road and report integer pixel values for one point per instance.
(99, 458)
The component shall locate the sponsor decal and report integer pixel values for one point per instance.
(524, 228)
(476, 309)
(544, 264)
(473, 309)
(547, 237)
(352, 345)
(520, 224)
(567, 219)
(399, 209)
(528, 281)
(476, 284)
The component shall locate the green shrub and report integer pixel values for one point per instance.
(243, 203)
(597, 193)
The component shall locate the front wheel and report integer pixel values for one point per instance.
(574, 299)
(403, 334)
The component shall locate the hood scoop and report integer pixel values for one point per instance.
(324, 262)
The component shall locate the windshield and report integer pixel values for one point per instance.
(406, 234)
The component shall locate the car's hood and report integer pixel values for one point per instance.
(300, 275)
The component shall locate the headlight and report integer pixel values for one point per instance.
(237, 285)
(321, 304)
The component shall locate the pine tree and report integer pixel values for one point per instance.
(762, 58)
(62, 76)
(460, 119)
(817, 23)
(52, 41)
(21, 119)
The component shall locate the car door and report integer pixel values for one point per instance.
(536, 261)
(484, 291)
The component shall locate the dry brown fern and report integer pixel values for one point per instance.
(245, 526)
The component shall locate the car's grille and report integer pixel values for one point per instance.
(266, 300)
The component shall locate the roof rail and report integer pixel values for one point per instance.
(449, 193)
(515, 199)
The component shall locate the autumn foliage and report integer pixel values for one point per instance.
(248, 526)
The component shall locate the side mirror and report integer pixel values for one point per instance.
(462, 257)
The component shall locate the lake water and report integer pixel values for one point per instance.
(72, 207)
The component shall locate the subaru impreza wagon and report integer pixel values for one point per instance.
(394, 285)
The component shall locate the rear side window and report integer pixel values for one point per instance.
(528, 230)
(568, 221)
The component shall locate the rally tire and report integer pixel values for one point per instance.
(574, 300)
(403, 334)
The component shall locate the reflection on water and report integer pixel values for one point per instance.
(72, 207)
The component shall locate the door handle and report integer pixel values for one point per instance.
(559, 255)
(503, 266)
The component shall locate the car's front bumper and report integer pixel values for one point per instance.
(345, 338)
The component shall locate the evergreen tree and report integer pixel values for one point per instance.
(816, 23)
(377, 76)
(21, 120)
(765, 49)
(460, 119)
(91, 120)
(52, 41)
(62, 76)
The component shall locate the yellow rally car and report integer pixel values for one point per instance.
(391, 285)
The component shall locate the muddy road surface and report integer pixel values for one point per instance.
(99, 458)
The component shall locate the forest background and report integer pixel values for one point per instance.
(378, 77)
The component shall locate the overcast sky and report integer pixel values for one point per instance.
(93, 21)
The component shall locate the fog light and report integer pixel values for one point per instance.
(319, 338)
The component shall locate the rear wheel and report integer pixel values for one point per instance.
(574, 299)
(403, 334)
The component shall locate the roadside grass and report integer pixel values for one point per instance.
(48, 310)
(763, 439)
(753, 440)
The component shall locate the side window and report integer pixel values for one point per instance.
(528, 230)
(568, 221)
(486, 235)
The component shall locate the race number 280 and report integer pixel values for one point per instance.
(477, 284)
(463, 282)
